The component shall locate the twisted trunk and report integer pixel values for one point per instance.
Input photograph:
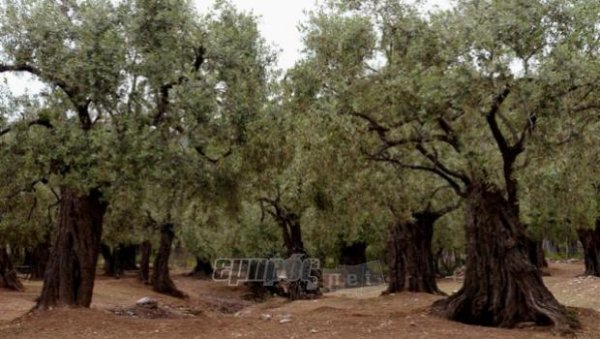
(590, 240)
(411, 261)
(8, 276)
(309, 285)
(161, 280)
(145, 251)
(292, 236)
(69, 277)
(501, 288)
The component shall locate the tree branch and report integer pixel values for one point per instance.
(40, 122)
(28, 188)
(493, 124)
(437, 164)
(163, 91)
(373, 125)
(450, 135)
(73, 92)
(455, 186)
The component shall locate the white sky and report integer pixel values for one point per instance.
(279, 21)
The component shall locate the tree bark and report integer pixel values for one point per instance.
(411, 261)
(289, 222)
(590, 240)
(161, 280)
(69, 277)
(145, 251)
(292, 237)
(292, 233)
(8, 276)
(501, 288)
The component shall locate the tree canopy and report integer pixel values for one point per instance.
(155, 121)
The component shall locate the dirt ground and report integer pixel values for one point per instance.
(217, 311)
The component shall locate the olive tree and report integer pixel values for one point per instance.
(458, 95)
(129, 85)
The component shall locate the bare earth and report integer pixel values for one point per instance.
(217, 311)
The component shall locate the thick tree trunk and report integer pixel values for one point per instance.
(161, 280)
(590, 240)
(501, 288)
(8, 276)
(292, 236)
(203, 268)
(289, 223)
(145, 251)
(69, 277)
(411, 261)
(353, 254)
(396, 259)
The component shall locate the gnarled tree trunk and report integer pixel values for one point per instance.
(161, 280)
(292, 237)
(289, 222)
(590, 240)
(69, 278)
(8, 276)
(292, 233)
(501, 288)
(411, 261)
(145, 251)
